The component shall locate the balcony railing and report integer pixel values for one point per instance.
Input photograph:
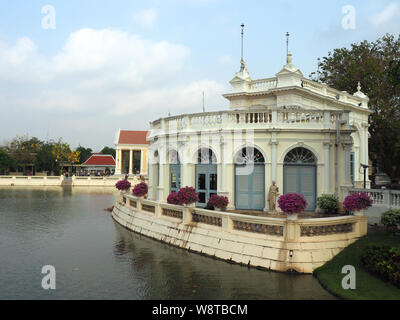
(263, 119)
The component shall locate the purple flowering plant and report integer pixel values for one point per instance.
(123, 185)
(173, 199)
(187, 195)
(291, 203)
(357, 201)
(140, 190)
(218, 201)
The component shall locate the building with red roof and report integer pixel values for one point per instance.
(131, 153)
(98, 163)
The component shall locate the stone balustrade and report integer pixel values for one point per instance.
(267, 242)
(383, 200)
(63, 181)
(257, 119)
(263, 84)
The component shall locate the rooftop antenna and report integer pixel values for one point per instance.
(319, 60)
(287, 44)
(241, 57)
(204, 108)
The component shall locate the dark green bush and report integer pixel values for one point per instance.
(383, 262)
(391, 218)
(328, 202)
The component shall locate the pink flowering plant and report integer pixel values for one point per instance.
(140, 190)
(291, 203)
(123, 185)
(187, 195)
(217, 201)
(357, 201)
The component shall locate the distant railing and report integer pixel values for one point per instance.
(381, 197)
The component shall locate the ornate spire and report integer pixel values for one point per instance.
(287, 47)
(242, 63)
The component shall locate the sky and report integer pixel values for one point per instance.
(81, 70)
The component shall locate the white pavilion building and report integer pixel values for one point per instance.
(306, 136)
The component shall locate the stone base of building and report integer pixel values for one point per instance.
(300, 246)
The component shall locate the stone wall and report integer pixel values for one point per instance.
(271, 243)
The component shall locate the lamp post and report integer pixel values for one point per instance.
(365, 167)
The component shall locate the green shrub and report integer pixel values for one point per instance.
(383, 262)
(391, 218)
(328, 202)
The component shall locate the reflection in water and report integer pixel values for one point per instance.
(96, 258)
(173, 273)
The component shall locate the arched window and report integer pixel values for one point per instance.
(174, 171)
(206, 156)
(300, 156)
(249, 155)
(174, 157)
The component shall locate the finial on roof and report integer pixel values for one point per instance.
(287, 46)
(242, 65)
(359, 86)
(289, 58)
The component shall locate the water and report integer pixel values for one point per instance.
(95, 258)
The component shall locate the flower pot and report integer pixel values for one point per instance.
(360, 213)
(190, 205)
(220, 209)
(292, 216)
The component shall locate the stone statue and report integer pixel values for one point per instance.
(272, 196)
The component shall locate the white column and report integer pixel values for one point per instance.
(274, 145)
(223, 169)
(327, 167)
(141, 161)
(130, 161)
(117, 166)
(346, 164)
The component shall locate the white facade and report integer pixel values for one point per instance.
(304, 135)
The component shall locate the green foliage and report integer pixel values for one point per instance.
(6, 162)
(45, 159)
(391, 218)
(23, 149)
(84, 154)
(328, 202)
(369, 287)
(108, 150)
(383, 262)
(377, 66)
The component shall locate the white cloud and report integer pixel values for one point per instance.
(113, 78)
(387, 15)
(145, 18)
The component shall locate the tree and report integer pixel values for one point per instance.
(45, 159)
(84, 153)
(377, 66)
(6, 162)
(61, 151)
(24, 149)
(108, 150)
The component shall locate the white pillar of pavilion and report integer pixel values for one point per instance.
(327, 167)
(130, 161)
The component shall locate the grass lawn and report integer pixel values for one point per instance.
(368, 286)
